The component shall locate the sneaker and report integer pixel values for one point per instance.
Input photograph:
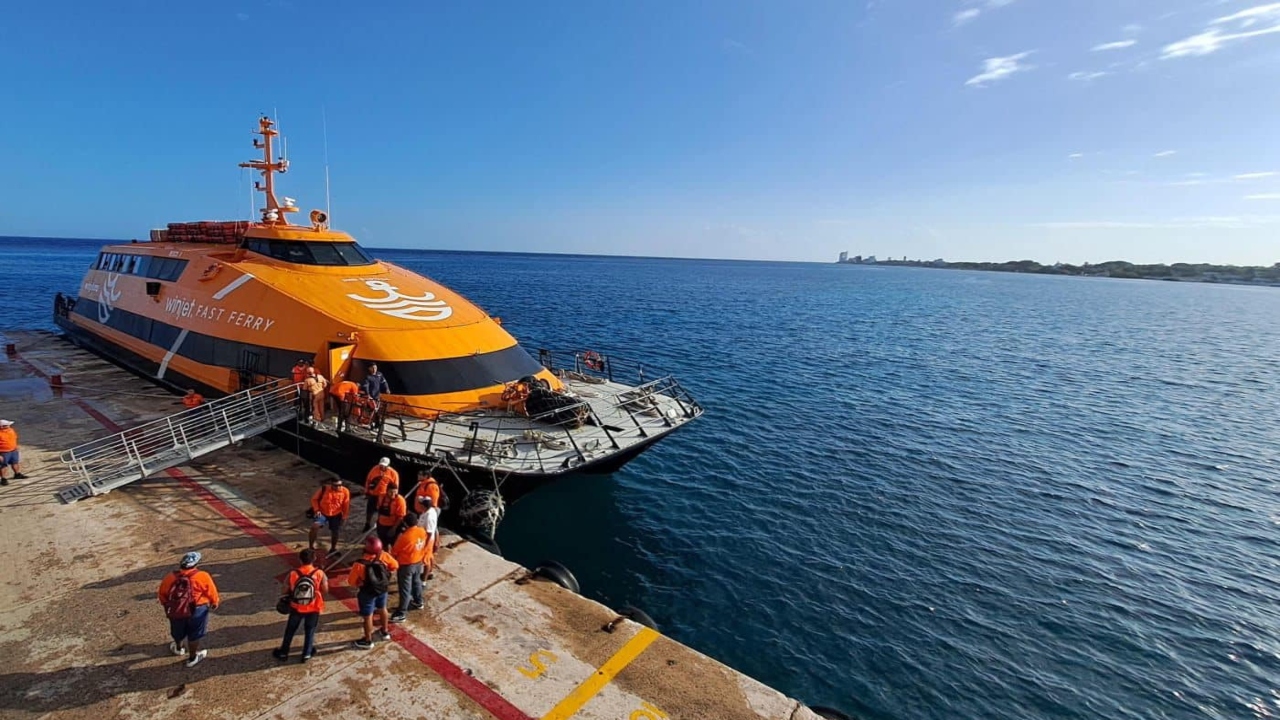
(279, 654)
(416, 606)
(399, 617)
(382, 635)
(362, 644)
(196, 660)
(305, 658)
(4, 481)
(177, 649)
(19, 476)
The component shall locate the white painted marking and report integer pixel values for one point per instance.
(232, 286)
(164, 364)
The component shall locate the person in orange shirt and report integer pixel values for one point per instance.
(192, 399)
(428, 493)
(346, 393)
(188, 595)
(410, 551)
(9, 456)
(426, 504)
(330, 505)
(371, 576)
(391, 510)
(299, 371)
(306, 586)
(375, 485)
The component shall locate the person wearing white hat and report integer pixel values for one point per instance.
(9, 456)
(375, 486)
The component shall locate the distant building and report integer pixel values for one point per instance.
(870, 259)
(844, 257)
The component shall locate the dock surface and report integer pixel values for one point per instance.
(82, 635)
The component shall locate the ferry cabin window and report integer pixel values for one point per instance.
(302, 252)
(156, 268)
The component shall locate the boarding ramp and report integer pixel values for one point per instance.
(105, 464)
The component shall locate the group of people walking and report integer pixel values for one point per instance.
(396, 543)
(356, 402)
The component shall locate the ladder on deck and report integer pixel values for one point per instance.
(105, 464)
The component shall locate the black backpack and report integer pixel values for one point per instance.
(304, 590)
(377, 578)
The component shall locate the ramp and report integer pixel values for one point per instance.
(105, 464)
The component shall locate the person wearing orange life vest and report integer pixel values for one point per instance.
(346, 393)
(375, 485)
(330, 506)
(192, 399)
(426, 504)
(371, 576)
(299, 371)
(410, 551)
(188, 595)
(306, 587)
(391, 510)
(315, 385)
(9, 455)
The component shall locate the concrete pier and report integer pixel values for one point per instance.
(82, 635)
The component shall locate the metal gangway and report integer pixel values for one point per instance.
(105, 464)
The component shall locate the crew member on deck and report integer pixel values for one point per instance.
(315, 385)
(346, 393)
(192, 399)
(299, 371)
(391, 510)
(375, 383)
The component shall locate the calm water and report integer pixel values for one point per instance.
(916, 494)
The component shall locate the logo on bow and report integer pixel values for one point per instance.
(107, 297)
(423, 307)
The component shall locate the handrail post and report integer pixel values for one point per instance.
(604, 427)
(431, 438)
(231, 435)
(574, 443)
(471, 446)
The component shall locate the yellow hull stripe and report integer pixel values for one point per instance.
(592, 686)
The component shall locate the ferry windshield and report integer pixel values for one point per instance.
(310, 253)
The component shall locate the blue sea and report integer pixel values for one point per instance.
(916, 493)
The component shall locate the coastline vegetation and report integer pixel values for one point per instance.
(1187, 272)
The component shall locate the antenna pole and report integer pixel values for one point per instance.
(324, 123)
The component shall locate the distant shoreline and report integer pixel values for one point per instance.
(1178, 272)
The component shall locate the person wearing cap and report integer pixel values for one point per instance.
(9, 456)
(299, 371)
(190, 586)
(426, 505)
(391, 511)
(369, 599)
(192, 399)
(330, 506)
(375, 486)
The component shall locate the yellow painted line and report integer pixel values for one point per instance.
(590, 687)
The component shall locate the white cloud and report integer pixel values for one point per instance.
(1214, 38)
(1209, 221)
(965, 16)
(1074, 156)
(1255, 175)
(1165, 153)
(1132, 29)
(1087, 76)
(999, 68)
(976, 7)
(1251, 16)
(1117, 45)
(1263, 196)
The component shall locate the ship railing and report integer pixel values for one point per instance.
(106, 463)
(459, 437)
(643, 402)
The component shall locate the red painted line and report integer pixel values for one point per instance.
(481, 694)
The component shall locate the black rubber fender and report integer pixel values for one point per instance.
(484, 544)
(829, 713)
(558, 574)
(635, 614)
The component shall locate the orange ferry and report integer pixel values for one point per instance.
(220, 306)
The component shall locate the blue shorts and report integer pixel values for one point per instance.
(10, 458)
(192, 628)
(368, 603)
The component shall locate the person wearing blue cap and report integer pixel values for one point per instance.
(188, 595)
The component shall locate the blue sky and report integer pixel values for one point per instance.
(1054, 130)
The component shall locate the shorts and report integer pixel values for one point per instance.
(192, 628)
(9, 458)
(369, 602)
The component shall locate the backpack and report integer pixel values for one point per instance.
(180, 603)
(377, 578)
(304, 590)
